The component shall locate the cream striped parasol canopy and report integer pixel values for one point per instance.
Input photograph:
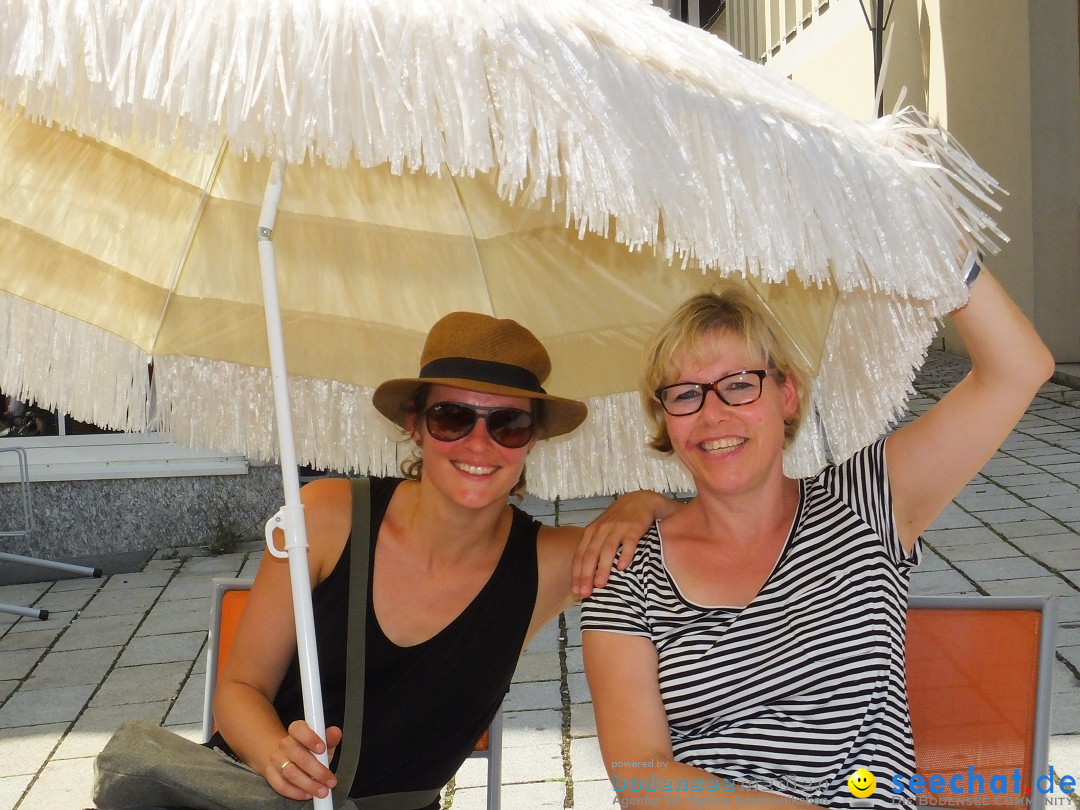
(174, 172)
(581, 166)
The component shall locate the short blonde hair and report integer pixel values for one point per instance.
(727, 308)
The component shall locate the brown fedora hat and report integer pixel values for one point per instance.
(491, 355)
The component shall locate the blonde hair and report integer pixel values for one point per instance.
(728, 308)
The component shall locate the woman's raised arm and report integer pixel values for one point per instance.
(932, 458)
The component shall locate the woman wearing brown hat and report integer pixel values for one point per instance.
(461, 580)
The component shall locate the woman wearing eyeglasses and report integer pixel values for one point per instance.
(461, 580)
(753, 650)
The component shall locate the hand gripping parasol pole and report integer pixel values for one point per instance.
(290, 518)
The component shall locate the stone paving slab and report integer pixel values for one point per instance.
(18, 664)
(522, 729)
(941, 583)
(1057, 538)
(24, 751)
(62, 783)
(13, 788)
(94, 727)
(56, 621)
(58, 670)
(582, 721)
(87, 633)
(989, 570)
(540, 796)
(64, 601)
(120, 602)
(24, 594)
(931, 561)
(145, 684)
(984, 552)
(152, 578)
(161, 649)
(587, 759)
(528, 696)
(184, 588)
(942, 537)
(538, 666)
(1059, 560)
(594, 794)
(179, 616)
(42, 706)
(1068, 608)
(1041, 586)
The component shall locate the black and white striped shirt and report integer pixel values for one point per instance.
(805, 684)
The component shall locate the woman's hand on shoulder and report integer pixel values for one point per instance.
(621, 526)
(573, 561)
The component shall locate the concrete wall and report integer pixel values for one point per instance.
(84, 519)
(1012, 97)
(1055, 148)
(984, 99)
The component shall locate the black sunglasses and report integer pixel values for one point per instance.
(450, 421)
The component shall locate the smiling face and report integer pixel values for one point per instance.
(862, 783)
(728, 449)
(474, 471)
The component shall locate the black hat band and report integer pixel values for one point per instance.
(486, 371)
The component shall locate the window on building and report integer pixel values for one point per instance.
(22, 420)
(59, 448)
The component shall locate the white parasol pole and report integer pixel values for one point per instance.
(290, 518)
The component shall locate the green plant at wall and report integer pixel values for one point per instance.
(224, 534)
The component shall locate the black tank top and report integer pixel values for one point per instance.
(425, 705)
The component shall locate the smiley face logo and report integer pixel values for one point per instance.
(862, 783)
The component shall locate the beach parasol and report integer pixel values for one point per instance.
(598, 157)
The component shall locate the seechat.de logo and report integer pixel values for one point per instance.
(862, 783)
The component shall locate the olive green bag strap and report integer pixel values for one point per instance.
(359, 567)
(353, 723)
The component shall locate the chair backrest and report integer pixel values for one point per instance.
(227, 600)
(979, 675)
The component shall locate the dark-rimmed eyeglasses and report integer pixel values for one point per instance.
(740, 388)
(449, 421)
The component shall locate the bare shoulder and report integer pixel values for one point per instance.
(326, 491)
(328, 516)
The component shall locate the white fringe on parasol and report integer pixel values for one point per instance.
(632, 126)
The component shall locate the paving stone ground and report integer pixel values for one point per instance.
(133, 645)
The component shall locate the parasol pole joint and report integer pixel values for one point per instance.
(289, 520)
